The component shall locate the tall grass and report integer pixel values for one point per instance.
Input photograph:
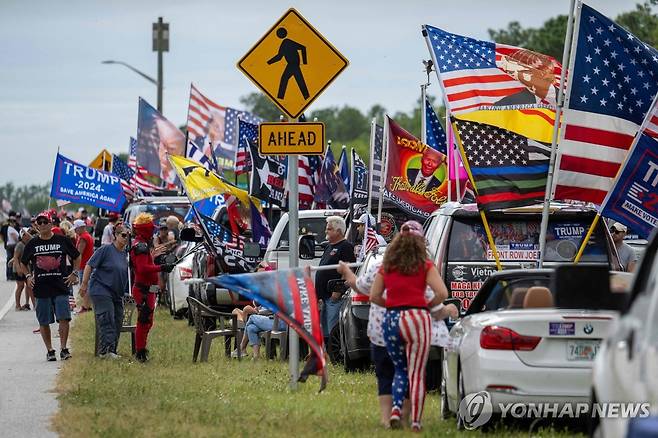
(172, 396)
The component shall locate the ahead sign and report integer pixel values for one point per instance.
(291, 138)
(292, 63)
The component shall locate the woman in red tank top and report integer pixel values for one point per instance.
(405, 274)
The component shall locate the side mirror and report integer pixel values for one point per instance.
(189, 235)
(307, 247)
(251, 249)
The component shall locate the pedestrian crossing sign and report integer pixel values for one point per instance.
(292, 63)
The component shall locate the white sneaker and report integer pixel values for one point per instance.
(234, 354)
(110, 356)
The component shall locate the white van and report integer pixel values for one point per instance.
(310, 222)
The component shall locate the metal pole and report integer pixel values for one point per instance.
(293, 254)
(371, 162)
(423, 113)
(384, 170)
(556, 124)
(160, 27)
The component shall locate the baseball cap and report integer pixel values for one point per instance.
(78, 223)
(412, 227)
(618, 227)
(113, 215)
(44, 214)
(365, 217)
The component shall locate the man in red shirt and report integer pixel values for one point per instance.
(85, 246)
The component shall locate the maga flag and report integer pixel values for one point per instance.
(201, 183)
(268, 176)
(508, 170)
(416, 175)
(290, 294)
(228, 247)
(505, 86)
(634, 198)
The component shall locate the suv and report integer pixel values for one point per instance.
(158, 206)
(310, 222)
(458, 245)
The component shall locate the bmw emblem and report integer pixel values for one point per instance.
(588, 329)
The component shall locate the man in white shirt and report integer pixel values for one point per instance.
(113, 218)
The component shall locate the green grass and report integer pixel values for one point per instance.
(172, 396)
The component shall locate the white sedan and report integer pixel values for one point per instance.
(515, 345)
(177, 286)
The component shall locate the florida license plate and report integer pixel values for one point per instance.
(582, 350)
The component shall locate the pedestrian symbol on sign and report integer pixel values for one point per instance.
(289, 50)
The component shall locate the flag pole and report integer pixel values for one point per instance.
(451, 151)
(293, 256)
(373, 131)
(384, 170)
(566, 57)
(485, 222)
(620, 171)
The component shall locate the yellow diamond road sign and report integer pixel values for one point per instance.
(292, 63)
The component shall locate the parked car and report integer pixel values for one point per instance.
(459, 246)
(177, 287)
(158, 206)
(525, 343)
(626, 367)
(310, 222)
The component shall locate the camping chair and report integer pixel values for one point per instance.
(276, 335)
(210, 324)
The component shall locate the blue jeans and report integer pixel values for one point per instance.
(260, 323)
(329, 316)
(109, 319)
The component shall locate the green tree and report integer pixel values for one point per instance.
(261, 106)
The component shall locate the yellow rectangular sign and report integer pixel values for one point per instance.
(291, 138)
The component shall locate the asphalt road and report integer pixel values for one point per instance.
(26, 380)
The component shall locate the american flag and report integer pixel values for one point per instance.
(248, 134)
(306, 185)
(233, 117)
(200, 114)
(610, 91)
(376, 148)
(125, 174)
(139, 178)
(435, 135)
(478, 74)
(230, 252)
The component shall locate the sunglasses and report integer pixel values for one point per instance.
(42, 222)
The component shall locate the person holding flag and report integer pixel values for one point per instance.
(145, 286)
(365, 226)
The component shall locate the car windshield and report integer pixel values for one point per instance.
(510, 294)
(312, 225)
(518, 241)
(162, 210)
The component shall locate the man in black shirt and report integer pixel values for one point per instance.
(44, 260)
(338, 250)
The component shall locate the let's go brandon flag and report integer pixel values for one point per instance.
(290, 294)
(508, 170)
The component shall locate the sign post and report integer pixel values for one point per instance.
(292, 64)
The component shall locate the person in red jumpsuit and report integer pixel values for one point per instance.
(145, 287)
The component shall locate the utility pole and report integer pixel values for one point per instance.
(160, 45)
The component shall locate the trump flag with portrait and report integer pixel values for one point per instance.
(416, 174)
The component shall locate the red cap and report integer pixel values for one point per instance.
(45, 214)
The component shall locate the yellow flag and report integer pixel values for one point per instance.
(533, 123)
(103, 161)
(201, 183)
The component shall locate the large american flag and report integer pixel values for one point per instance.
(434, 133)
(376, 148)
(139, 178)
(248, 133)
(610, 91)
(125, 174)
(475, 76)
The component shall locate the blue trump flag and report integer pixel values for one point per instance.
(344, 169)
(75, 182)
(633, 201)
(290, 294)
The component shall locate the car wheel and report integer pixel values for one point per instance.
(333, 349)
(349, 365)
(460, 397)
(445, 408)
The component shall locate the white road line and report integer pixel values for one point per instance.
(9, 305)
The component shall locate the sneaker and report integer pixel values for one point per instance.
(110, 355)
(64, 354)
(25, 307)
(416, 427)
(234, 354)
(395, 418)
(50, 356)
(37, 330)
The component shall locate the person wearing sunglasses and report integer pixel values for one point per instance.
(44, 261)
(627, 255)
(105, 281)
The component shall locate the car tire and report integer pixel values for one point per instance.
(350, 365)
(445, 407)
(460, 396)
(333, 349)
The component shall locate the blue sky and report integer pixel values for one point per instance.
(54, 91)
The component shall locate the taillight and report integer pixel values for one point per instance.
(494, 337)
(359, 298)
(184, 273)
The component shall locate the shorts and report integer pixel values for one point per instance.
(53, 308)
(384, 370)
(20, 277)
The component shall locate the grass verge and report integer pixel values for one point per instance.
(172, 396)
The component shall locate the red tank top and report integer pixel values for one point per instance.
(406, 290)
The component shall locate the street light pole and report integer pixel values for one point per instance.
(160, 45)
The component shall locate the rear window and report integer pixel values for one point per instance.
(518, 241)
(312, 225)
(510, 294)
(158, 211)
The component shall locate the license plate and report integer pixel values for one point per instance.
(582, 350)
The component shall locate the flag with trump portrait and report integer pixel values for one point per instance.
(290, 294)
(416, 174)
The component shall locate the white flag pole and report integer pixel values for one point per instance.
(567, 53)
(371, 162)
(384, 169)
